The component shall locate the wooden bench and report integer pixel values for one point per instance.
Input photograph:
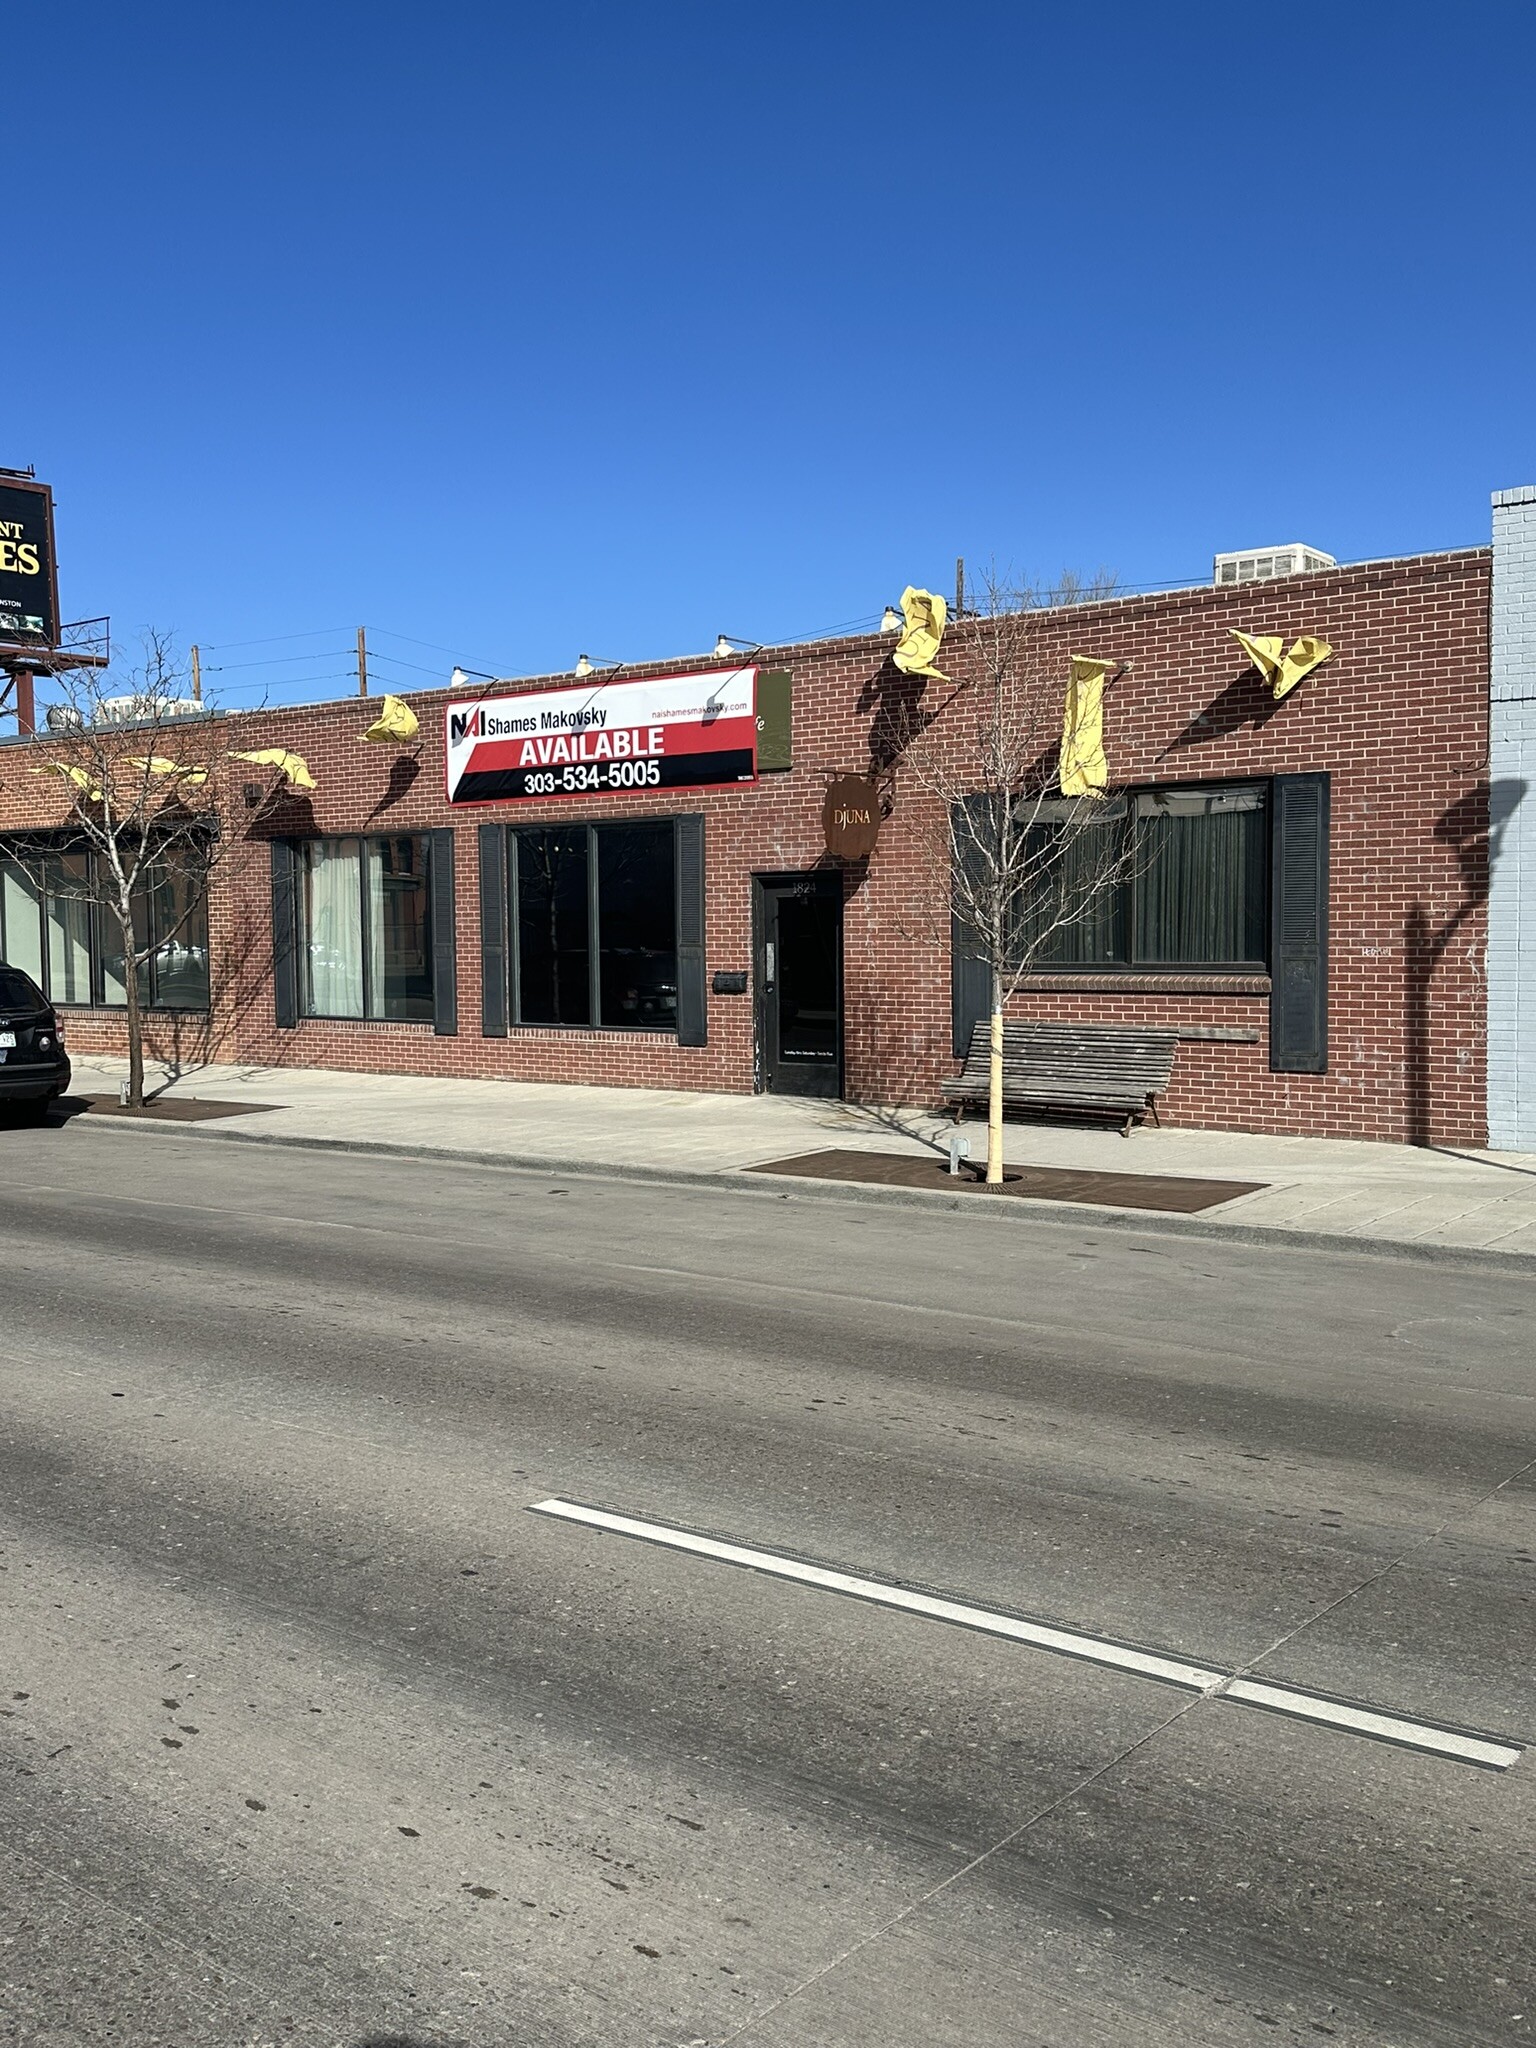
(1088, 1069)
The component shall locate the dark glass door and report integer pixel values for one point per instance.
(800, 983)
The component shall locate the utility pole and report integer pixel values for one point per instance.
(959, 586)
(362, 663)
(26, 713)
(197, 675)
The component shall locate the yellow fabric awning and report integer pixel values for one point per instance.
(396, 721)
(293, 767)
(925, 615)
(1281, 667)
(1304, 655)
(1083, 770)
(157, 764)
(66, 771)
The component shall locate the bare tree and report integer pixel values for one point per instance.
(145, 781)
(1018, 860)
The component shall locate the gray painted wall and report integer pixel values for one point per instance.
(1512, 820)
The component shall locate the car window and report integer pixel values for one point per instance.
(17, 991)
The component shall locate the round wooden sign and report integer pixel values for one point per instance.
(850, 817)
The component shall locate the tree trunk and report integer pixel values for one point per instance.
(135, 1018)
(995, 1088)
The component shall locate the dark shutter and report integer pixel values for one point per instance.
(285, 933)
(775, 733)
(692, 1020)
(493, 932)
(970, 986)
(970, 976)
(1298, 925)
(445, 959)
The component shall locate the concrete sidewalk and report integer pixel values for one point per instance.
(1321, 1189)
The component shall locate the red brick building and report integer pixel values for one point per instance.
(652, 946)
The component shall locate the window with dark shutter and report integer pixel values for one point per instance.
(970, 976)
(607, 926)
(493, 932)
(445, 967)
(1298, 1003)
(285, 979)
(692, 1014)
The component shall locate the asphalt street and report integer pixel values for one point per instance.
(312, 1732)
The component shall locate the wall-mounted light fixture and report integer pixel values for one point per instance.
(891, 622)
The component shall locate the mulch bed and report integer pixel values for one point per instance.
(168, 1109)
(1173, 1194)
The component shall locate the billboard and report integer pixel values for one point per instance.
(596, 738)
(29, 591)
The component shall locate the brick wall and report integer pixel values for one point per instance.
(1398, 718)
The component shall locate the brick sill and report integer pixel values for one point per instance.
(117, 1012)
(617, 1033)
(1146, 984)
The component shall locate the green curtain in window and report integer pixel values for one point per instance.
(1200, 878)
(1073, 859)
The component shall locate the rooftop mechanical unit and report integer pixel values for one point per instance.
(1263, 565)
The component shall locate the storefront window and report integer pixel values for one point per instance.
(366, 948)
(399, 940)
(623, 879)
(1076, 915)
(1201, 877)
(176, 910)
(554, 976)
(637, 927)
(21, 920)
(1168, 878)
(68, 895)
(57, 924)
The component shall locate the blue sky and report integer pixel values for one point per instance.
(527, 332)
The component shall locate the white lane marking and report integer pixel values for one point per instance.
(1067, 1642)
(1428, 1736)
(1393, 1728)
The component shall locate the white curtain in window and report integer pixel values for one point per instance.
(113, 992)
(334, 928)
(21, 904)
(69, 929)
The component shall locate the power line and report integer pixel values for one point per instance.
(455, 654)
(219, 668)
(273, 639)
(399, 661)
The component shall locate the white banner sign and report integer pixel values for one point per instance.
(676, 732)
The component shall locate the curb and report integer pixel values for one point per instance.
(741, 1180)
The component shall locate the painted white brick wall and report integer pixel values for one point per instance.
(1512, 819)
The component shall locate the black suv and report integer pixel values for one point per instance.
(34, 1067)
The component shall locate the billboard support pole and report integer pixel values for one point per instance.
(26, 706)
